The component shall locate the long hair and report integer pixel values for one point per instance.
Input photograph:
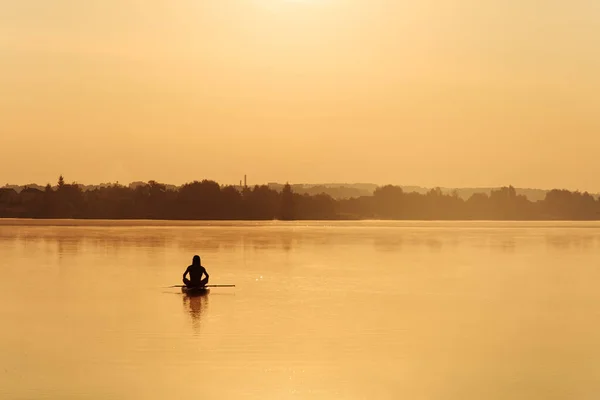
(196, 260)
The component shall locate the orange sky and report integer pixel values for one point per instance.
(433, 93)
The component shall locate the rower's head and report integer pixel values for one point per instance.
(196, 260)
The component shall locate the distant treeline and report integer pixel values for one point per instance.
(207, 200)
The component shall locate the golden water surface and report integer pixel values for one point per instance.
(345, 310)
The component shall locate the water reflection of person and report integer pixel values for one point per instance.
(195, 306)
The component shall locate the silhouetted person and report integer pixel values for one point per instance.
(196, 271)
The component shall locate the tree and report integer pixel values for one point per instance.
(201, 200)
(61, 182)
(287, 211)
(388, 201)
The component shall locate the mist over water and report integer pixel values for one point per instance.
(345, 310)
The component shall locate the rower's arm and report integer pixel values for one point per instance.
(206, 273)
(187, 270)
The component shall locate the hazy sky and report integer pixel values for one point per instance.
(425, 92)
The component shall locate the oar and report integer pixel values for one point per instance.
(202, 286)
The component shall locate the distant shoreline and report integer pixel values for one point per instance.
(247, 222)
(336, 190)
(209, 201)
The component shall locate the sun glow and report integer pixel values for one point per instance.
(280, 5)
(433, 92)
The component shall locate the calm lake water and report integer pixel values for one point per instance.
(344, 310)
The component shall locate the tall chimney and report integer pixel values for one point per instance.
(245, 184)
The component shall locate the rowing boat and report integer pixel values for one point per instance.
(195, 291)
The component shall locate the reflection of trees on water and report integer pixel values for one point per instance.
(154, 240)
(388, 244)
(495, 240)
(195, 306)
(573, 241)
(508, 244)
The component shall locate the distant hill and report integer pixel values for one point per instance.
(347, 190)
(465, 193)
(18, 188)
(337, 191)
